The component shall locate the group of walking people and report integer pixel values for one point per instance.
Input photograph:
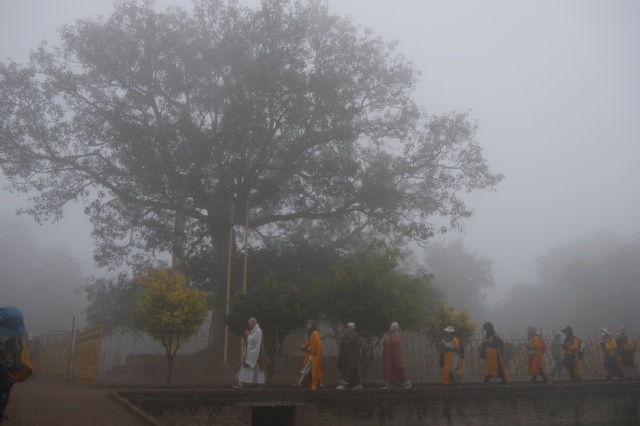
(619, 357)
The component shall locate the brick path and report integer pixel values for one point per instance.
(41, 402)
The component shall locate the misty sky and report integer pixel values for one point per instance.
(554, 86)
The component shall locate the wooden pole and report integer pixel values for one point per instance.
(227, 308)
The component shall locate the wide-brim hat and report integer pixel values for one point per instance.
(449, 329)
(11, 322)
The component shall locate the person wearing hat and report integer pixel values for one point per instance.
(627, 351)
(452, 363)
(612, 364)
(536, 360)
(15, 365)
(312, 371)
(392, 361)
(492, 352)
(348, 359)
(571, 360)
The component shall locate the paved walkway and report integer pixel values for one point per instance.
(46, 403)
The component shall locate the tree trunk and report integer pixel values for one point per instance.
(177, 250)
(170, 357)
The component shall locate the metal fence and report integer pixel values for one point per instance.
(133, 359)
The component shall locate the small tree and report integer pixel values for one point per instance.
(279, 307)
(368, 288)
(168, 310)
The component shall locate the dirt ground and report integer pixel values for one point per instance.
(41, 402)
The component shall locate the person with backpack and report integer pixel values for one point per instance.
(15, 364)
(627, 352)
(571, 359)
(452, 359)
(536, 348)
(493, 355)
(612, 364)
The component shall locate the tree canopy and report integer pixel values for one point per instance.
(112, 301)
(370, 289)
(170, 126)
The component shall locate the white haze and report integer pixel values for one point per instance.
(553, 85)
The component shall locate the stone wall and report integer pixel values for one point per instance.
(520, 404)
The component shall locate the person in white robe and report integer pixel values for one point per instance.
(250, 372)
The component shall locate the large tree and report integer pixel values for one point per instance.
(169, 126)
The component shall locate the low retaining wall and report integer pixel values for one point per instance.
(520, 404)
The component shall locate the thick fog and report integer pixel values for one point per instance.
(554, 87)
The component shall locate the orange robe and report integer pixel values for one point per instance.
(448, 358)
(536, 360)
(313, 348)
(493, 359)
(610, 349)
(572, 349)
(629, 352)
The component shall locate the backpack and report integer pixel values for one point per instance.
(543, 345)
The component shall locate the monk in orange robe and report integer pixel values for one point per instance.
(627, 352)
(312, 371)
(392, 361)
(492, 351)
(612, 363)
(536, 360)
(571, 361)
(452, 365)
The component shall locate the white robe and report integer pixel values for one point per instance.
(253, 373)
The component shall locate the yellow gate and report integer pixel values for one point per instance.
(56, 347)
(86, 356)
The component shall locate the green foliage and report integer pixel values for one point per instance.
(446, 315)
(368, 289)
(272, 302)
(279, 307)
(147, 113)
(112, 301)
(168, 310)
